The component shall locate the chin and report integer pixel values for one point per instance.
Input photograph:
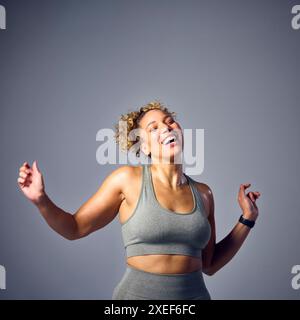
(175, 152)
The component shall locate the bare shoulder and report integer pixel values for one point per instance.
(207, 196)
(126, 172)
(126, 176)
(204, 188)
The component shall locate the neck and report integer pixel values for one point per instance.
(170, 175)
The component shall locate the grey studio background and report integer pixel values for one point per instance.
(70, 68)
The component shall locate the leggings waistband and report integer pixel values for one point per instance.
(164, 286)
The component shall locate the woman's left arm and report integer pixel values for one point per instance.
(216, 255)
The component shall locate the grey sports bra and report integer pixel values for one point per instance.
(152, 229)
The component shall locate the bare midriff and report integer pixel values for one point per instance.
(166, 263)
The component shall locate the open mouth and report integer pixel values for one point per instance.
(169, 140)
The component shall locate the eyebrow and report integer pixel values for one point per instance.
(166, 116)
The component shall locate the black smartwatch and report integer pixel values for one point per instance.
(246, 222)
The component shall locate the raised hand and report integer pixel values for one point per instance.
(247, 202)
(31, 182)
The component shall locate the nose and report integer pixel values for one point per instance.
(164, 131)
(165, 128)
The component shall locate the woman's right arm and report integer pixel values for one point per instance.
(100, 209)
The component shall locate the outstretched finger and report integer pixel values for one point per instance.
(35, 167)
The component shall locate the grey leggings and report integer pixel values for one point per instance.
(141, 285)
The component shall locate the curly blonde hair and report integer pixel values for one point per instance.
(132, 120)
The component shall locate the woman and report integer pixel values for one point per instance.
(167, 218)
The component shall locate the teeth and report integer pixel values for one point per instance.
(167, 140)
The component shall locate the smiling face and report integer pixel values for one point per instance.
(161, 136)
